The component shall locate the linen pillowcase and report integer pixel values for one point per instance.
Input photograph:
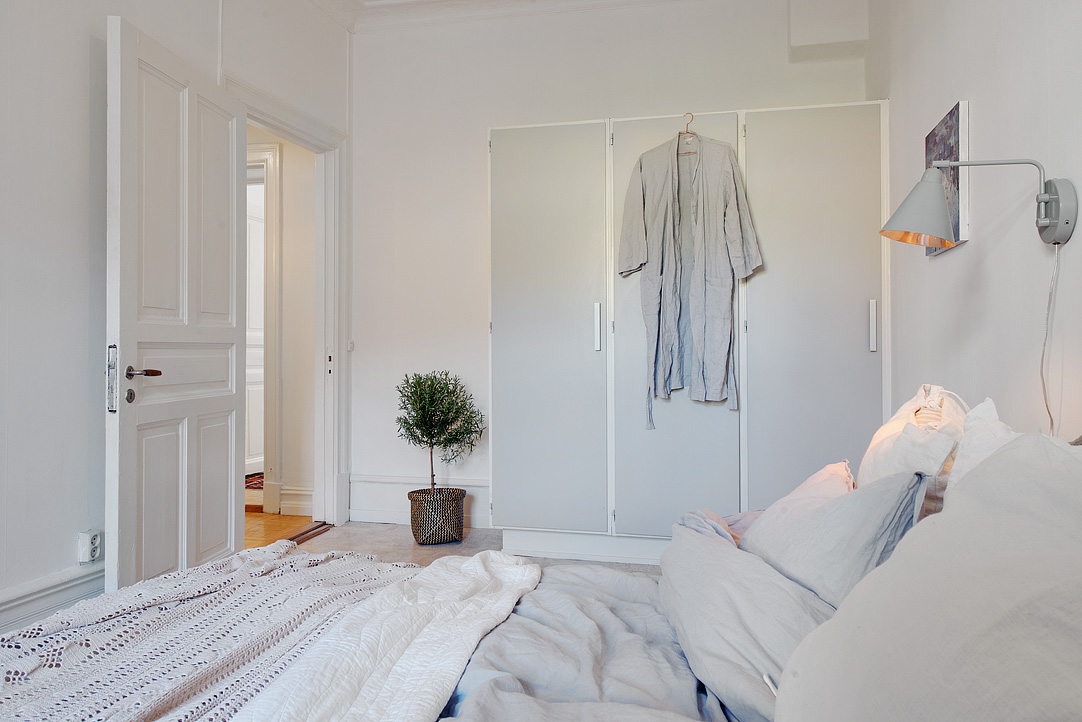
(985, 434)
(1006, 556)
(831, 545)
(735, 616)
(830, 482)
(920, 438)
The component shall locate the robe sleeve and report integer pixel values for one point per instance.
(739, 233)
(633, 254)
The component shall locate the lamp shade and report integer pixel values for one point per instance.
(922, 218)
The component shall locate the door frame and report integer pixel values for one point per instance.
(331, 146)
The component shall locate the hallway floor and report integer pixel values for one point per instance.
(262, 529)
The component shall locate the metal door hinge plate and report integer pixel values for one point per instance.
(112, 391)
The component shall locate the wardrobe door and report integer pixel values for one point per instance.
(814, 388)
(691, 459)
(549, 405)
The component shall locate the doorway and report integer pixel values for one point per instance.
(283, 374)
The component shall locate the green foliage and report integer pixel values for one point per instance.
(438, 412)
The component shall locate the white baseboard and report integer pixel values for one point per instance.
(26, 603)
(585, 547)
(295, 500)
(383, 499)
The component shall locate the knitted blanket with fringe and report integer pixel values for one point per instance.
(192, 645)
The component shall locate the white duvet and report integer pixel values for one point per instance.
(399, 655)
(271, 633)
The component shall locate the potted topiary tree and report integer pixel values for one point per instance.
(438, 412)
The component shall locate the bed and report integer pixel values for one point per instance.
(853, 598)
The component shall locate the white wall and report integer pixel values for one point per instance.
(823, 22)
(424, 99)
(52, 257)
(972, 319)
(299, 348)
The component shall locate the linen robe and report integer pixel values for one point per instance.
(687, 227)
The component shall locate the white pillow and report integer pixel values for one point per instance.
(735, 616)
(919, 439)
(829, 544)
(830, 482)
(985, 434)
(1002, 568)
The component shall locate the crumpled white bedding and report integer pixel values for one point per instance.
(399, 655)
(195, 644)
(590, 643)
(271, 633)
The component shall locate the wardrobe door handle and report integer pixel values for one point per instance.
(597, 327)
(873, 325)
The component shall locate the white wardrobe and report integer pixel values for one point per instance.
(575, 472)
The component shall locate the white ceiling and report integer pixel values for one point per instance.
(370, 15)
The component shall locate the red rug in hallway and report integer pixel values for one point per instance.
(253, 481)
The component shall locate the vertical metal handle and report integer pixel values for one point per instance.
(873, 325)
(597, 327)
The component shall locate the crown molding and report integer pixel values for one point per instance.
(381, 15)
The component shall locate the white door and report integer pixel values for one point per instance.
(691, 459)
(176, 263)
(814, 390)
(549, 408)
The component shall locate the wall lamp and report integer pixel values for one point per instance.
(923, 219)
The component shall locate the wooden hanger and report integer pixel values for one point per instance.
(688, 131)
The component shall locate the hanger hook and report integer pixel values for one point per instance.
(686, 127)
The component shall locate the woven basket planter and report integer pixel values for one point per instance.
(436, 515)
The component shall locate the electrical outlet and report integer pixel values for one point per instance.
(90, 546)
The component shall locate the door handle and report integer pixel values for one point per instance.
(873, 325)
(597, 327)
(132, 373)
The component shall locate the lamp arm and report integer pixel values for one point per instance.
(1010, 161)
(1042, 196)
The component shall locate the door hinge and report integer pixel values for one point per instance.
(112, 390)
(490, 146)
(612, 139)
(744, 130)
(329, 365)
(490, 327)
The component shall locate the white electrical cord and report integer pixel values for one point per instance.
(1044, 347)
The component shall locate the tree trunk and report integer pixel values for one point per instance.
(432, 466)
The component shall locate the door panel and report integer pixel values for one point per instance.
(176, 171)
(161, 464)
(814, 390)
(691, 459)
(214, 435)
(162, 243)
(549, 406)
(214, 217)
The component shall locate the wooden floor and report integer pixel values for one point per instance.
(263, 529)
